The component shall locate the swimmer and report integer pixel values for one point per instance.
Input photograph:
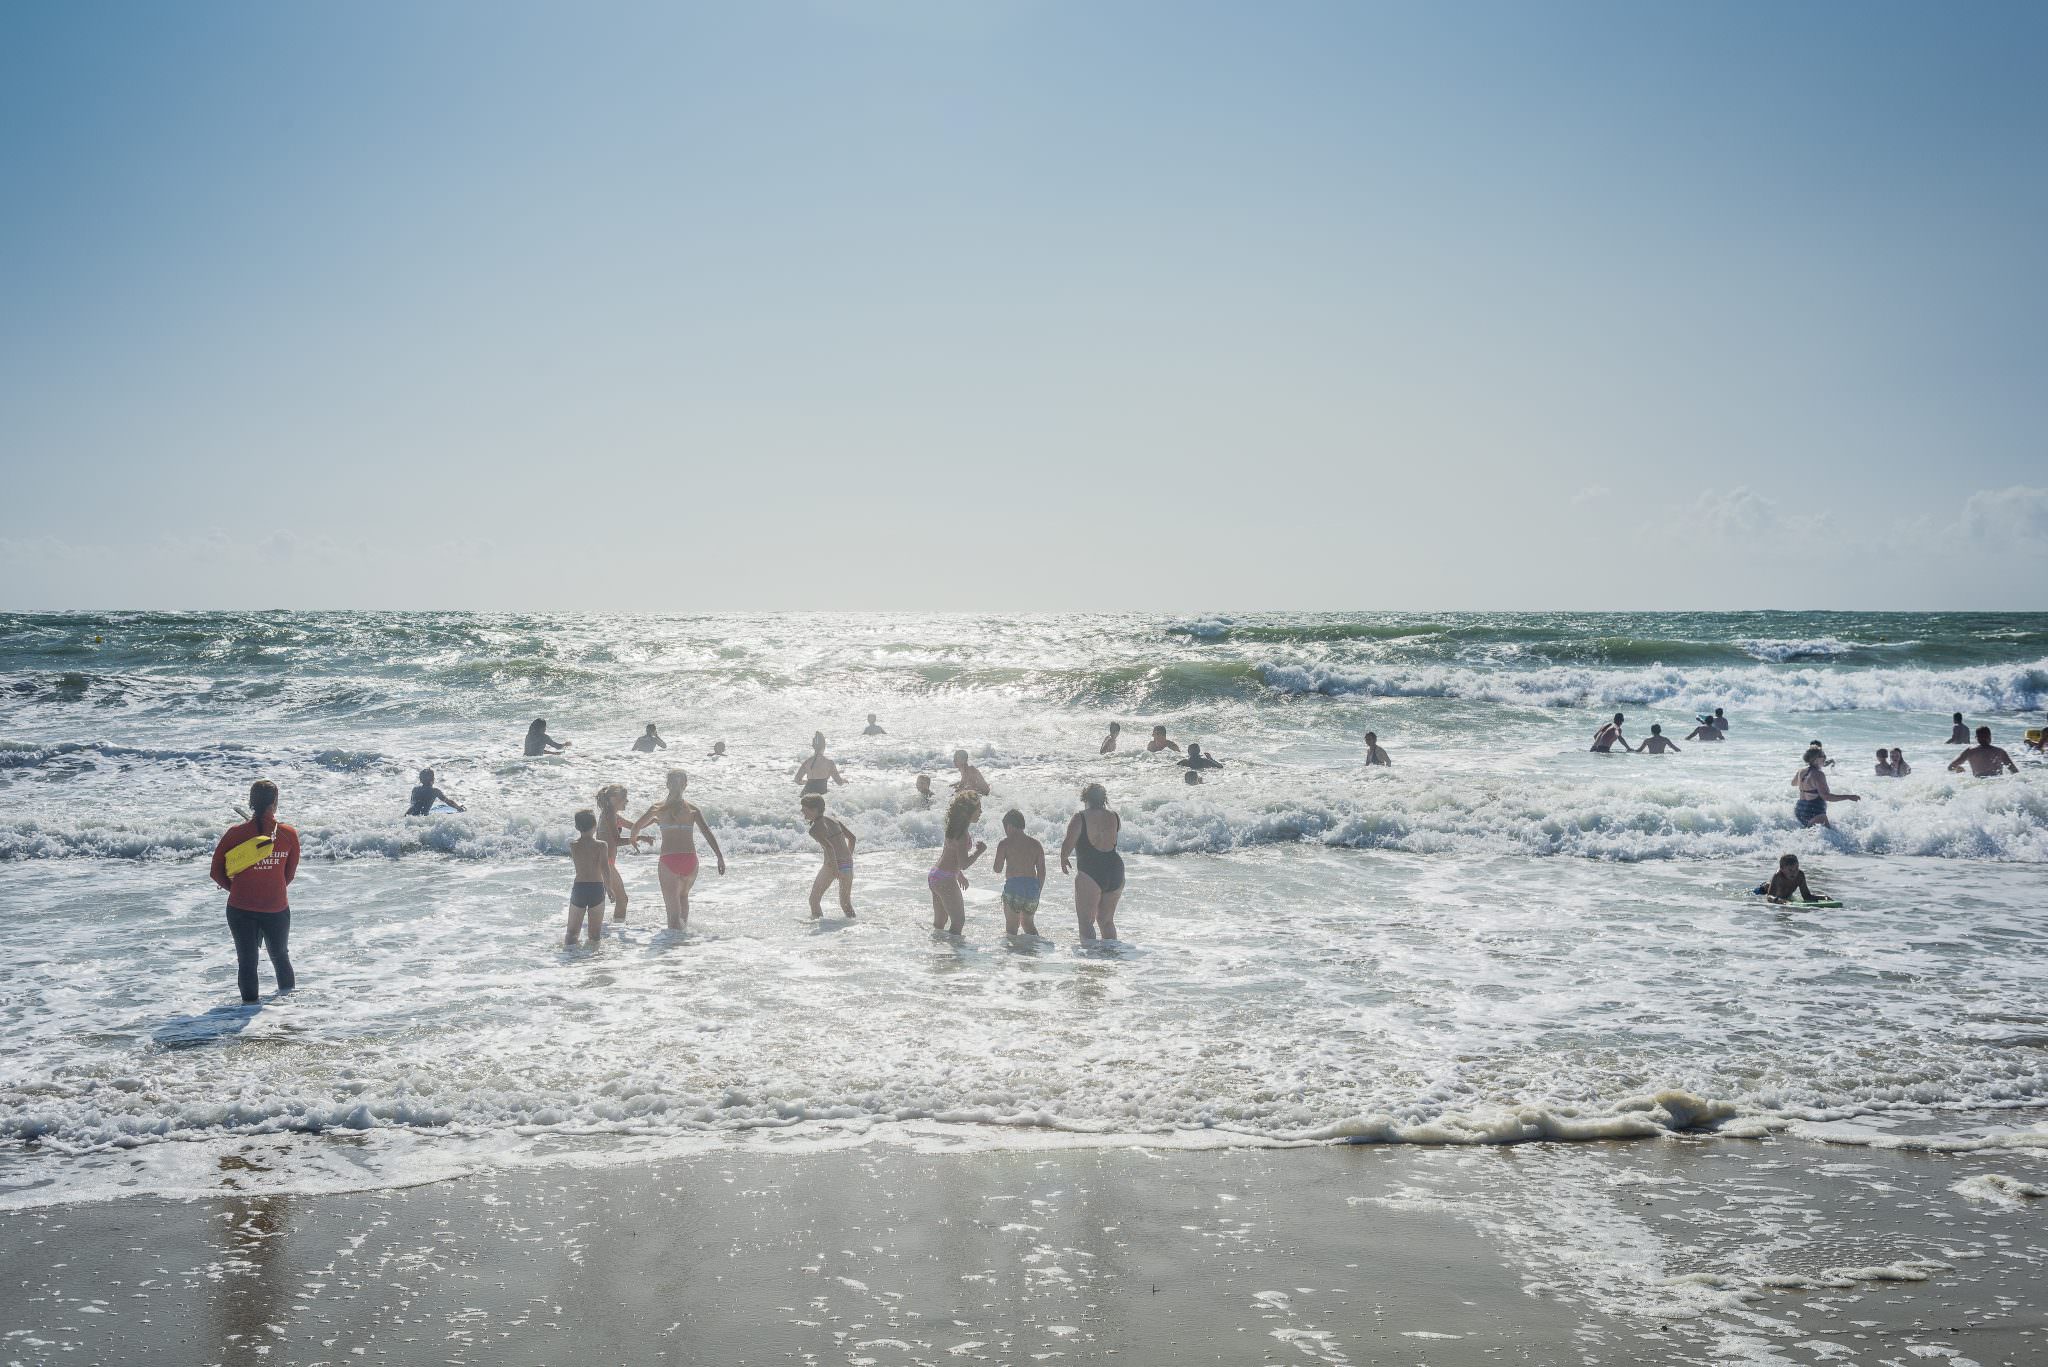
(816, 769)
(2037, 741)
(1022, 860)
(587, 893)
(1814, 797)
(1705, 731)
(1197, 760)
(946, 878)
(259, 908)
(1958, 734)
(425, 795)
(1825, 762)
(649, 741)
(539, 742)
(717, 750)
(1607, 736)
(1373, 753)
(1985, 759)
(837, 842)
(1719, 721)
(1191, 776)
(679, 821)
(1109, 741)
(1160, 742)
(970, 780)
(1656, 743)
(1884, 763)
(611, 833)
(874, 728)
(924, 789)
(1899, 766)
(1091, 841)
(1789, 878)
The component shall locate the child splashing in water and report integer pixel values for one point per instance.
(679, 820)
(949, 875)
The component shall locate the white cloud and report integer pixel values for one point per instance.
(2015, 517)
(1590, 493)
(1735, 515)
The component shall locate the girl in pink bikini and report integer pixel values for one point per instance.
(679, 821)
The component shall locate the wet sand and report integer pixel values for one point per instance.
(1672, 1251)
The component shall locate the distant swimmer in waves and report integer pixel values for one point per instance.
(1958, 734)
(837, 842)
(255, 863)
(970, 780)
(1192, 776)
(425, 795)
(1705, 732)
(679, 820)
(1789, 879)
(1373, 754)
(948, 877)
(1718, 720)
(873, 728)
(1608, 736)
(587, 892)
(1984, 758)
(924, 789)
(1197, 760)
(816, 770)
(1108, 746)
(649, 741)
(1091, 842)
(1814, 797)
(1160, 742)
(1899, 766)
(539, 742)
(717, 750)
(612, 833)
(1021, 860)
(1656, 743)
(1884, 764)
(2037, 740)
(1825, 762)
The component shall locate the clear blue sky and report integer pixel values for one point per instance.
(1019, 305)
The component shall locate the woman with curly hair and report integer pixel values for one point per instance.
(949, 875)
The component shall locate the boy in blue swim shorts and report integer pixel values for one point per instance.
(1023, 859)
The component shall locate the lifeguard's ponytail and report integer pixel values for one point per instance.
(262, 801)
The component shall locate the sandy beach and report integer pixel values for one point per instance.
(1593, 1253)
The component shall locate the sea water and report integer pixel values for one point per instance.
(1502, 937)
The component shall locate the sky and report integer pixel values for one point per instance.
(1023, 306)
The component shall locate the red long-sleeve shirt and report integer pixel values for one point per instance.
(261, 886)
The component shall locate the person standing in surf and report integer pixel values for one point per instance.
(254, 863)
(873, 728)
(816, 770)
(837, 842)
(539, 742)
(1608, 736)
(425, 795)
(970, 780)
(1022, 859)
(679, 820)
(1985, 759)
(1091, 842)
(1958, 734)
(611, 833)
(1374, 755)
(1812, 782)
(1109, 741)
(1656, 743)
(649, 741)
(945, 879)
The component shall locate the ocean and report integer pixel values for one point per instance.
(1501, 938)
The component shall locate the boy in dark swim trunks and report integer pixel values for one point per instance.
(1023, 859)
(1789, 879)
(586, 895)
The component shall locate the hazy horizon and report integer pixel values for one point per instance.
(1020, 306)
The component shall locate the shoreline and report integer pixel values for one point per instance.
(1679, 1251)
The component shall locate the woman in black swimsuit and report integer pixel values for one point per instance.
(1091, 842)
(816, 769)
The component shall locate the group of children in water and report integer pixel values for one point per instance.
(603, 829)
